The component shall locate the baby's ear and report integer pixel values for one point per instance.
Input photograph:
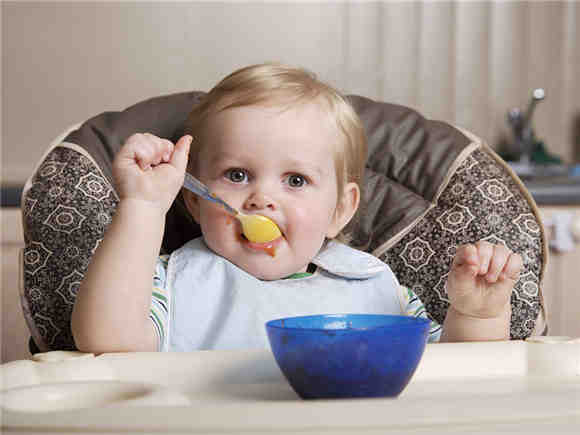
(192, 204)
(345, 209)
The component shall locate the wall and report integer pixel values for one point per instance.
(463, 62)
(14, 333)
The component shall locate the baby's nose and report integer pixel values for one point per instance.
(259, 201)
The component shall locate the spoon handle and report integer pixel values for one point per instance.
(194, 185)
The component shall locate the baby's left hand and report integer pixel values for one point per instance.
(482, 278)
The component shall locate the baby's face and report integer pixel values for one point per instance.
(279, 164)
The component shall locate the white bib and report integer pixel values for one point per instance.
(217, 305)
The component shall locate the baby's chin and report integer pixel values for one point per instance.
(269, 274)
(262, 264)
(270, 271)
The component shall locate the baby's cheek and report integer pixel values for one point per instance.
(301, 219)
(306, 226)
(216, 225)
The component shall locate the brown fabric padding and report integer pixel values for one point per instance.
(482, 201)
(103, 135)
(409, 157)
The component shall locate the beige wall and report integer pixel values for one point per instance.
(14, 333)
(465, 62)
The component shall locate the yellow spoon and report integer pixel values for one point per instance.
(256, 228)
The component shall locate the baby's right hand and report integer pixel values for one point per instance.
(151, 169)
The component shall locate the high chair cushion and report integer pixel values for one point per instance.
(429, 187)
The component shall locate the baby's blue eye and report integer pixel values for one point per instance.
(296, 180)
(237, 175)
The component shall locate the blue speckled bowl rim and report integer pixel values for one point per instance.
(412, 322)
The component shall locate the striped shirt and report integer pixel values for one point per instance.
(411, 305)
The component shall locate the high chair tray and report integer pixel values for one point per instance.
(501, 387)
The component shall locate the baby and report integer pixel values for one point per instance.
(275, 141)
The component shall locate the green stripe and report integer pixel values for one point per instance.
(299, 275)
(158, 322)
(160, 296)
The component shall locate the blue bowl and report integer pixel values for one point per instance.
(348, 355)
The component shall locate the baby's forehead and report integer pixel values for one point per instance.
(286, 126)
(297, 136)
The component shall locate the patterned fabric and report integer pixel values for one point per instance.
(481, 201)
(411, 304)
(65, 210)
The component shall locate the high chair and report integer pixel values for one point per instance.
(429, 187)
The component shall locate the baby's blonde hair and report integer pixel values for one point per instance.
(273, 84)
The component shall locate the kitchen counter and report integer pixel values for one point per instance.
(558, 191)
(10, 195)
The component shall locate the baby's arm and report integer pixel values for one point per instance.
(479, 287)
(111, 312)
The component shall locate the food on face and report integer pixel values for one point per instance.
(259, 229)
(268, 247)
(271, 250)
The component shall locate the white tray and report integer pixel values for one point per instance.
(501, 387)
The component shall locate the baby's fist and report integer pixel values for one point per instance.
(482, 278)
(151, 169)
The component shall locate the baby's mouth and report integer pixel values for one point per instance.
(268, 247)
